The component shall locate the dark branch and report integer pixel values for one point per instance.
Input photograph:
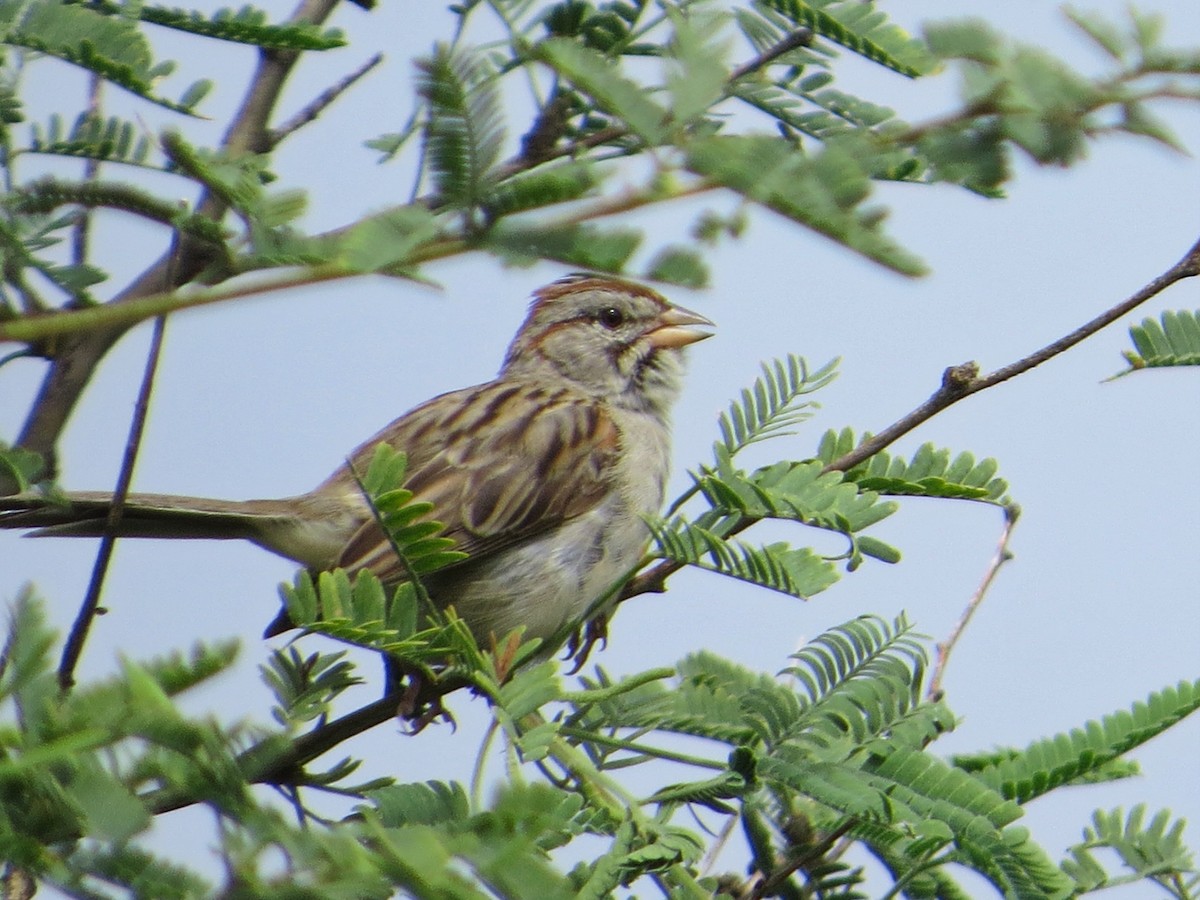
(90, 607)
(321, 102)
(266, 764)
(960, 381)
(801, 37)
(76, 357)
(538, 146)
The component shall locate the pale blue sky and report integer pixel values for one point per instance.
(1098, 608)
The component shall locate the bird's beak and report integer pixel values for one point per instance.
(677, 328)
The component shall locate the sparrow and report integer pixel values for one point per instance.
(542, 476)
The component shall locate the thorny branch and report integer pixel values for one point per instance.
(321, 102)
(959, 382)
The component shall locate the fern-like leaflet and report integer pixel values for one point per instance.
(772, 405)
(797, 572)
(931, 472)
(1153, 850)
(464, 126)
(1172, 341)
(1069, 756)
(360, 610)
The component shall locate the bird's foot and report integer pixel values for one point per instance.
(579, 647)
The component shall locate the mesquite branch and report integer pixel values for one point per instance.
(75, 358)
(958, 383)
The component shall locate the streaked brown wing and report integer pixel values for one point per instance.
(499, 462)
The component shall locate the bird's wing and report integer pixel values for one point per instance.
(499, 462)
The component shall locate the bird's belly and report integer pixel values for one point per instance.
(546, 582)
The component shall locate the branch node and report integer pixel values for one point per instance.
(1190, 264)
(958, 379)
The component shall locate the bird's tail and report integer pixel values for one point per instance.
(86, 513)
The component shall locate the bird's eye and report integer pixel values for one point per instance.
(610, 317)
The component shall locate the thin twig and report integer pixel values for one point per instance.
(718, 845)
(90, 607)
(110, 315)
(801, 37)
(946, 647)
(774, 881)
(956, 384)
(321, 102)
(282, 768)
(265, 764)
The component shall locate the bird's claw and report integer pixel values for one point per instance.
(579, 647)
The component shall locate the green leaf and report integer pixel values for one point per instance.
(111, 47)
(388, 241)
(678, 265)
(823, 192)
(1173, 340)
(772, 405)
(110, 811)
(597, 76)
(91, 136)
(544, 186)
(141, 873)
(1154, 851)
(247, 25)
(23, 466)
(826, 115)
(425, 803)
(697, 71)
(464, 128)
(1103, 33)
(797, 572)
(1023, 775)
(305, 687)
(932, 471)
(587, 246)
(27, 647)
(530, 689)
(49, 194)
(862, 28)
(801, 491)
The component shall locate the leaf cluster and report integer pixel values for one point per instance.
(595, 102)
(836, 750)
(1172, 340)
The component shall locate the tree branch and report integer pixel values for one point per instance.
(265, 764)
(321, 102)
(958, 382)
(537, 146)
(90, 608)
(74, 360)
(961, 381)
